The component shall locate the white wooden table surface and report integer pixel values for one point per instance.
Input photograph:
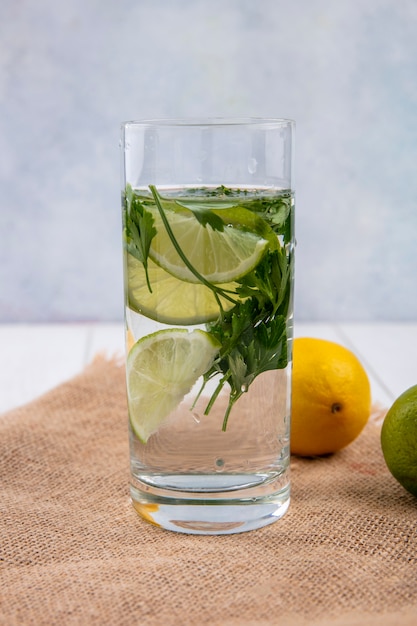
(36, 357)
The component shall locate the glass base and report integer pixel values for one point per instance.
(209, 512)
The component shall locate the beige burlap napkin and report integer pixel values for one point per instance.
(73, 551)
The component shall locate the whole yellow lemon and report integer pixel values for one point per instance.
(331, 397)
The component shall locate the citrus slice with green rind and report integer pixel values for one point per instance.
(161, 369)
(172, 301)
(220, 255)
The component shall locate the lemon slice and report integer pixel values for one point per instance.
(220, 256)
(172, 301)
(161, 369)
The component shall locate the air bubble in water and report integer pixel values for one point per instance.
(219, 464)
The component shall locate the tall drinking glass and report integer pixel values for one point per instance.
(208, 214)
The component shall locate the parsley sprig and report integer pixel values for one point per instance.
(253, 334)
(138, 229)
(252, 343)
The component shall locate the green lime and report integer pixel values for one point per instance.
(399, 439)
(219, 255)
(172, 301)
(161, 369)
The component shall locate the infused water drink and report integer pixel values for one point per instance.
(208, 307)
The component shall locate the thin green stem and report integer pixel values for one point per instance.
(214, 288)
(215, 394)
(145, 265)
(226, 415)
(232, 400)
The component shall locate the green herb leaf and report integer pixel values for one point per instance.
(139, 229)
(277, 212)
(269, 283)
(204, 215)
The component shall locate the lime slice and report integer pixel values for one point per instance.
(220, 256)
(161, 369)
(172, 301)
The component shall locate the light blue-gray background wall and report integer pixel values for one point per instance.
(71, 71)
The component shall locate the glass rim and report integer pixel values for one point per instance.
(210, 122)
